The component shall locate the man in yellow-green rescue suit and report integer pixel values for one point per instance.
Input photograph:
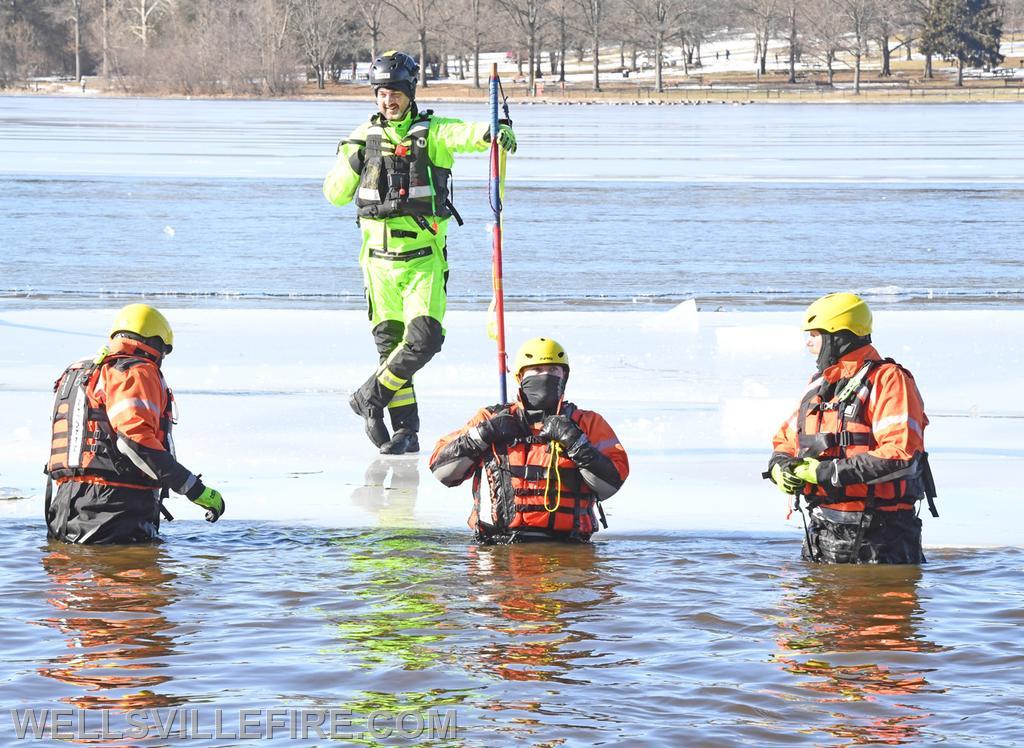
(397, 168)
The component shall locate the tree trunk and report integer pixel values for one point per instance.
(476, 63)
(792, 43)
(829, 57)
(77, 8)
(886, 71)
(856, 72)
(928, 65)
(532, 51)
(374, 43)
(658, 82)
(959, 72)
(622, 55)
(105, 42)
(423, 56)
(320, 75)
(764, 52)
(633, 54)
(595, 40)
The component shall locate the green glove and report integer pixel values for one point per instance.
(211, 500)
(807, 470)
(506, 138)
(785, 480)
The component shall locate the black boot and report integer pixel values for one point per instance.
(402, 443)
(373, 419)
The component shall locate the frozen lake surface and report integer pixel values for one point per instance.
(218, 202)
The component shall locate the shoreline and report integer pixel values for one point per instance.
(696, 91)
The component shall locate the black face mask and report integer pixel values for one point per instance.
(542, 391)
(835, 345)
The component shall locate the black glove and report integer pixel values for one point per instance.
(501, 428)
(563, 430)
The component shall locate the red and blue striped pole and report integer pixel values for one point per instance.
(496, 270)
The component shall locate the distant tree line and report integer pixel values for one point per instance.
(263, 47)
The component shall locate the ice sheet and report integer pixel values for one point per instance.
(694, 396)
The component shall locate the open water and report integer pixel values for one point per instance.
(672, 639)
(648, 640)
(219, 202)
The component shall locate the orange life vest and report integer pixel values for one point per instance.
(83, 444)
(838, 428)
(532, 487)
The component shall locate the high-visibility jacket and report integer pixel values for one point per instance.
(112, 420)
(868, 432)
(398, 234)
(399, 179)
(532, 488)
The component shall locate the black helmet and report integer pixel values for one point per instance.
(395, 70)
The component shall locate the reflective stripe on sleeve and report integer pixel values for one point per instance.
(132, 402)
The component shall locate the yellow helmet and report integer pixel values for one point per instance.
(839, 311)
(144, 321)
(537, 352)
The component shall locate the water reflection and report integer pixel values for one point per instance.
(395, 580)
(108, 603)
(531, 598)
(862, 626)
(389, 490)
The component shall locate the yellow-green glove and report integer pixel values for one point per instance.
(506, 138)
(785, 480)
(211, 500)
(807, 470)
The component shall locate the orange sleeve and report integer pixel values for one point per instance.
(135, 402)
(603, 438)
(896, 414)
(785, 439)
(479, 417)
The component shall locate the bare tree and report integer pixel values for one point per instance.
(471, 22)
(145, 13)
(657, 21)
(372, 13)
(826, 32)
(698, 18)
(762, 15)
(592, 15)
(859, 16)
(76, 22)
(890, 18)
(530, 17)
(420, 15)
(918, 12)
(269, 23)
(792, 13)
(319, 25)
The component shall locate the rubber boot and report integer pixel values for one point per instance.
(373, 418)
(402, 443)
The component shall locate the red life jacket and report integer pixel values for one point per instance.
(83, 443)
(838, 428)
(534, 487)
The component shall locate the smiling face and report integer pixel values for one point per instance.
(392, 104)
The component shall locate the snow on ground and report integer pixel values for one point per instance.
(694, 396)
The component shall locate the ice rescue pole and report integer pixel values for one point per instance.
(497, 158)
